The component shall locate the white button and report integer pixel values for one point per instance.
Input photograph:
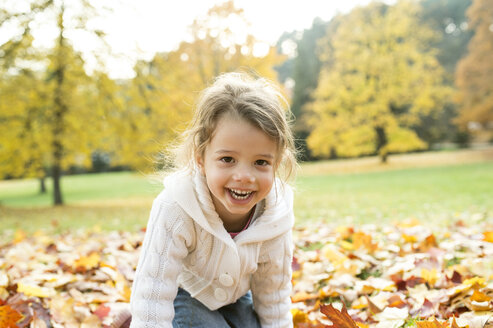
(220, 294)
(226, 280)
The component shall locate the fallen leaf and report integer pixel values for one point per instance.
(102, 311)
(431, 324)
(33, 290)
(480, 297)
(9, 317)
(340, 319)
(391, 317)
(88, 262)
(299, 316)
(488, 236)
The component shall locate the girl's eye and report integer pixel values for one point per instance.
(227, 159)
(262, 162)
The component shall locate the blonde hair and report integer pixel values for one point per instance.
(256, 100)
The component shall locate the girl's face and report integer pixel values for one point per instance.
(239, 165)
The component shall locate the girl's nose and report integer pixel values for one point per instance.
(244, 175)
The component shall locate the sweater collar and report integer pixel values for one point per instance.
(190, 191)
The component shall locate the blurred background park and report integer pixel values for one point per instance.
(393, 105)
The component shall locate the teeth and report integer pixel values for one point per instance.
(240, 194)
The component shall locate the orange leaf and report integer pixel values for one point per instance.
(340, 319)
(429, 242)
(9, 317)
(479, 297)
(488, 236)
(431, 324)
(361, 239)
(396, 301)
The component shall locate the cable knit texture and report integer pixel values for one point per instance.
(187, 246)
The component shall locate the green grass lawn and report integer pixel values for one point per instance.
(79, 189)
(430, 194)
(322, 192)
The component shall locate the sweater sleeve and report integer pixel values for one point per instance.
(271, 284)
(167, 240)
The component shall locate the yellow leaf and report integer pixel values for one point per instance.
(32, 290)
(302, 297)
(299, 316)
(488, 236)
(347, 245)
(430, 276)
(331, 253)
(88, 262)
(480, 282)
(409, 238)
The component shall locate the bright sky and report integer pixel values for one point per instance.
(139, 29)
(160, 25)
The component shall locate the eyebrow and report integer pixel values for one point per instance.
(225, 151)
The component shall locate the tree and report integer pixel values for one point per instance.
(379, 77)
(67, 126)
(306, 72)
(448, 20)
(23, 99)
(474, 78)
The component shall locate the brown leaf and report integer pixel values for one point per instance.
(396, 301)
(340, 319)
(456, 278)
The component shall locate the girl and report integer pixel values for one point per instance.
(217, 251)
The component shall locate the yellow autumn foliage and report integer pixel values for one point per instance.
(379, 76)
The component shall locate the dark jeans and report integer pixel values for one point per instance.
(190, 313)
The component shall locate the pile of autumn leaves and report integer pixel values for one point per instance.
(389, 276)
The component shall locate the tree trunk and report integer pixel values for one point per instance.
(57, 190)
(60, 109)
(42, 185)
(382, 144)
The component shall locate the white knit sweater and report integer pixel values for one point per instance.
(187, 246)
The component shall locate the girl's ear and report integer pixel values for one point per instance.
(200, 163)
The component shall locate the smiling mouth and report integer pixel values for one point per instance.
(239, 194)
